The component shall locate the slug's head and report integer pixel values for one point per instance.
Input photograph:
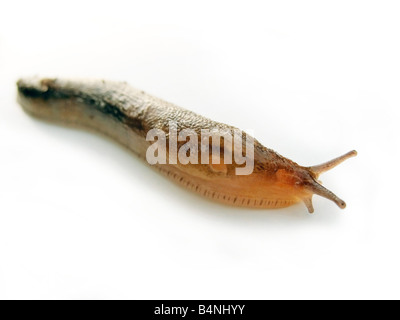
(304, 181)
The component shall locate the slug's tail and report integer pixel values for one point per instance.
(317, 188)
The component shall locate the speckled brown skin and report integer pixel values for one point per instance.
(127, 114)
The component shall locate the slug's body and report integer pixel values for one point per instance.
(127, 115)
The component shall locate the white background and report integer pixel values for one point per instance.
(81, 217)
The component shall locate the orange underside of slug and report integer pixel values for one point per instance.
(252, 191)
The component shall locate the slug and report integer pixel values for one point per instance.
(128, 115)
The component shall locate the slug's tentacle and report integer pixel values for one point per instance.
(320, 190)
(309, 205)
(321, 168)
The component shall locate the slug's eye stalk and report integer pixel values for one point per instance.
(316, 188)
(320, 190)
(321, 168)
